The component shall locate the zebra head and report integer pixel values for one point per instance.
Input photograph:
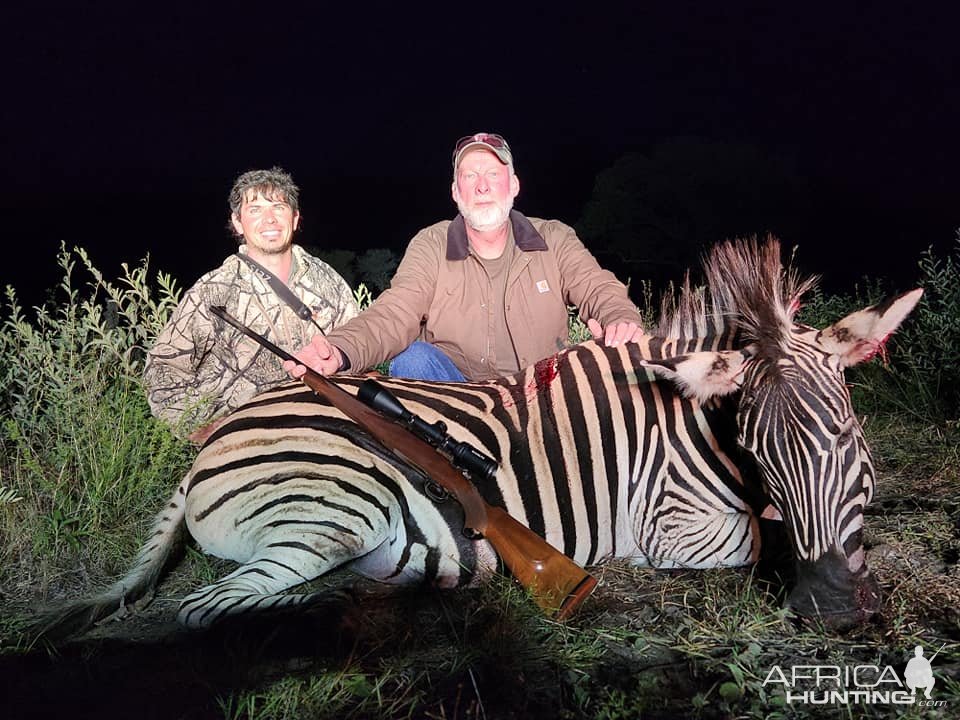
(795, 419)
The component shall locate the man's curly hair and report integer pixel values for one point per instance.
(273, 184)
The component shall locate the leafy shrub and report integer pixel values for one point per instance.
(926, 369)
(103, 332)
(80, 448)
(919, 372)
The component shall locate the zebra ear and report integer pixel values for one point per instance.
(862, 334)
(704, 375)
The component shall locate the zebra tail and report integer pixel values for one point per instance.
(133, 591)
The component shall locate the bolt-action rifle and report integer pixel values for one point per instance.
(555, 582)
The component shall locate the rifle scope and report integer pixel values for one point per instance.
(462, 454)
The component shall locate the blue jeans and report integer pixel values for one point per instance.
(423, 361)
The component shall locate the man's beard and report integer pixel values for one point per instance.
(269, 249)
(486, 218)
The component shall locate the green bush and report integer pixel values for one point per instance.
(83, 456)
(925, 371)
(919, 371)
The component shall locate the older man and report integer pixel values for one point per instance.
(481, 296)
(200, 368)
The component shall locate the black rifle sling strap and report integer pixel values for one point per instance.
(282, 290)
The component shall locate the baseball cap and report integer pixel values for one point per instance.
(489, 141)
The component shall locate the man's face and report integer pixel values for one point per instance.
(267, 225)
(484, 190)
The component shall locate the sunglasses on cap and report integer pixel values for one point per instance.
(492, 140)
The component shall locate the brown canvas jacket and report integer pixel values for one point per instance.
(441, 294)
(200, 367)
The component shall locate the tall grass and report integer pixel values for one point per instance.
(83, 457)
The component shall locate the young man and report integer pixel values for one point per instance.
(481, 296)
(201, 368)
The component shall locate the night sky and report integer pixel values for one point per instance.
(124, 124)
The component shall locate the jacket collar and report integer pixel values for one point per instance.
(524, 234)
(296, 261)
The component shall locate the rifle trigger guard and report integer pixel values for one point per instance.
(435, 491)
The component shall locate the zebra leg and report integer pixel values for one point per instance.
(290, 549)
(287, 553)
(386, 553)
(255, 586)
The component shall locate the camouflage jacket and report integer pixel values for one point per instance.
(201, 368)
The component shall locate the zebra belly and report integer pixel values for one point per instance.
(396, 536)
(305, 512)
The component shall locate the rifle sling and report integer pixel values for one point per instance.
(282, 290)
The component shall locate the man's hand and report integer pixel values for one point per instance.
(616, 334)
(318, 355)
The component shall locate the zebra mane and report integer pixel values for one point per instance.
(748, 293)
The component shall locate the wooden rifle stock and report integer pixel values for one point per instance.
(555, 582)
